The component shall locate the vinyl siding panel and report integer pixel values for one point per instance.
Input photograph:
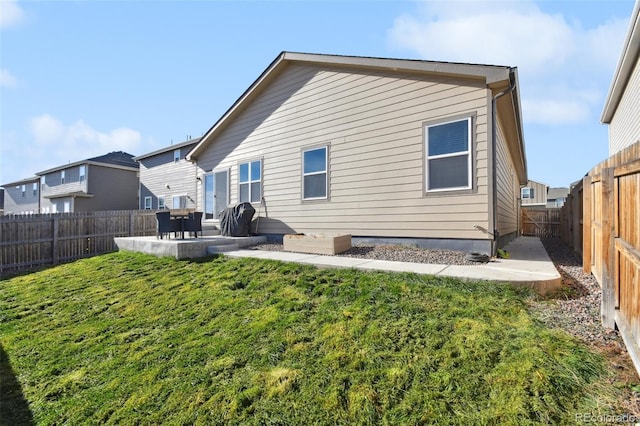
(624, 129)
(539, 194)
(158, 171)
(112, 189)
(507, 187)
(54, 186)
(373, 124)
(108, 189)
(14, 203)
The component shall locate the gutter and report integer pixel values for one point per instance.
(624, 69)
(494, 161)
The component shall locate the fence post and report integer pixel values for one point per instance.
(587, 230)
(54, 241)
(608, 249)
(576, 219)
(131, 224)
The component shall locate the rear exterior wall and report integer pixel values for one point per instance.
(374, 126)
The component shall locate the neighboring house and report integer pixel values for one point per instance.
(611, 244)
(107, 182)
(167, 180)
(556, 197)
(22, 197)
(400, 150)
(622, 107)
(534, 195)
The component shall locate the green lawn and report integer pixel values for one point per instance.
(128, 338)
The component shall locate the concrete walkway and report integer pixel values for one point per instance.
(529, 265)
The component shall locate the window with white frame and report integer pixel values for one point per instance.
(179, 201)
(23, 189)
(527, 193)
(314, 173)
(161, 203)
(147, 203)
(62, 175)
(34, 188)
(448, 156)
(250, 181)
(176, 155)
(83, 173)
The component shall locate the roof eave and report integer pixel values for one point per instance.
(86, 162)
(21, 181)
(169, 148)
(69, 194)
(626, 64)
(489, 73)
(519, 154)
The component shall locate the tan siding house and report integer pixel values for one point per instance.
(378, 148)
(534, 194)
(622, 107)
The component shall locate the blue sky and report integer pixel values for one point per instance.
(83, 78)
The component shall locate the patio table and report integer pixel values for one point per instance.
(180, 215)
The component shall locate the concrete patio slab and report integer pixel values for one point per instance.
(418, 268)
(189, 248)
(529, 265)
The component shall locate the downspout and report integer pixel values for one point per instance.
(494, 161)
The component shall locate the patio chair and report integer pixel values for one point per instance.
(165, 225)
(194, 224)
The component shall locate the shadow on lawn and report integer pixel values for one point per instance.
(14, 409)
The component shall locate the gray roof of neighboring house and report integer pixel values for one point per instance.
(555, 193)
(118, 159)
(626, 64)
(22, 181)
(168, 148)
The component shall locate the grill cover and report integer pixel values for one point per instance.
(236, 221)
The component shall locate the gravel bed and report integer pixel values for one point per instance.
(577, 308)
(577, 311)
(396, 253)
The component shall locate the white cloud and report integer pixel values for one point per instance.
(46, 129)
(7, 79)
(50, 132)
(486, 32)
(548, 49)
(49, 142)
(11, 14)
(54, 143)
(602, 45)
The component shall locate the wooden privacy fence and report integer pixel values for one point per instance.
(571, 219)
(540, 223)
(611, 241)
(28, 241)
